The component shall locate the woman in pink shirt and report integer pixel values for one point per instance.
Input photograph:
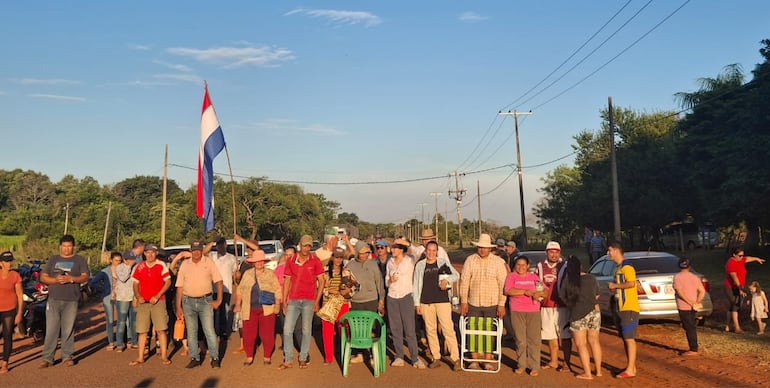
(524, 301)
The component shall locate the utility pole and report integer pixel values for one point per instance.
(478, 202)
(436, 195)
(446, 222)
(422, 216)
(614, 169)
(106, 226)
(66, 216)
(458, 201)
(518, 168)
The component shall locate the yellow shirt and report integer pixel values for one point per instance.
(628, 299)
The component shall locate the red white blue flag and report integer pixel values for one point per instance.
(212, 143)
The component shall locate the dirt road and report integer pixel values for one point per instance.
(728, 360)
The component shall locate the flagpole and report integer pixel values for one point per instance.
(232, 187)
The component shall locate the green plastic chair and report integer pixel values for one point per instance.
(357, 328)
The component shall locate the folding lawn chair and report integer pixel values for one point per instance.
(481, 335)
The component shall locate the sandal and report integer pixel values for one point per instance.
(165, 361)
(135, 363)
(120, 349)
(110, 347)
(303, 365)
(519, 371)
(284, 365)
(533, 373)
(563, 368)
(248, 361)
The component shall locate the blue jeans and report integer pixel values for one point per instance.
(298, 308)
(126, 320)
(109, 309)
(194, 309)
(59, 320)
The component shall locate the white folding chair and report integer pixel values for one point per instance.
(481, 335)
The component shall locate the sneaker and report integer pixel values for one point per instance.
(357, 359)
(397, 362)
(419, 364)
(215, 364)
(434, 364)
(456, 366)
(193, 364)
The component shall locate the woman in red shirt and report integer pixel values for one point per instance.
(11, 304)
(735, 284)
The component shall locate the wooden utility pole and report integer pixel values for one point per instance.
(614, 171)
(436, 195)
(106, 226)
(518, 168)
(478, 203)
(458, 201)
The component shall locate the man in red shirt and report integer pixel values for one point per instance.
(554, 314)
(303, 286)
(151, 280)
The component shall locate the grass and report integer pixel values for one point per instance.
(11, 243)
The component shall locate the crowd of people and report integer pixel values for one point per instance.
(211, 295)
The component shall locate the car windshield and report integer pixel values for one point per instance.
(651, 265)
(267, 248)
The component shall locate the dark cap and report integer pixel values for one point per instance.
(338, 252)
(150, 247)
(684, 263)
(500, 242)
(195, 245)
(128, 255)
(6, 256)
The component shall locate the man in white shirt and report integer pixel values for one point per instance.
(227, 265)
(427, 236)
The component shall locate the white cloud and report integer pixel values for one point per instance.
(291, 127)
(180, 77)
(341, 17)
(57, 97)
(173, 66)
(139, 47)
(46, 81)
(471, 17)
(230, 57)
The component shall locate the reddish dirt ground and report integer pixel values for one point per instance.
(727, 360)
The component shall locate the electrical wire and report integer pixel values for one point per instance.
(615, 57)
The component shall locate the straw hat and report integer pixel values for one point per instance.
(485, 241)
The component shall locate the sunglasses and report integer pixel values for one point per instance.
(380, 247)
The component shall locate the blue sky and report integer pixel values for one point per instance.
(343, 91)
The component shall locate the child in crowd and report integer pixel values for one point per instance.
(759, 306)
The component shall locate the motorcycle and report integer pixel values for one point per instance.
(33, 318)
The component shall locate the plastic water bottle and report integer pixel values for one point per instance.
(455, 302)
(539, 288)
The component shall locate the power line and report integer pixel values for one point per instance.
(301, 182)
(615, 57)
(491, 124)
(570, 56)
(589, 54)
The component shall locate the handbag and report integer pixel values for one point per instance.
(331, 308)
(266, 298)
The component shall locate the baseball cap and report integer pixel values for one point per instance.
(511, 244)
(381, 243)
(500, 242)
(150, 247)
(6, 256)
(338, 252)
(684, 262)
(195, 245)
(305, 240)
(553, 245)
